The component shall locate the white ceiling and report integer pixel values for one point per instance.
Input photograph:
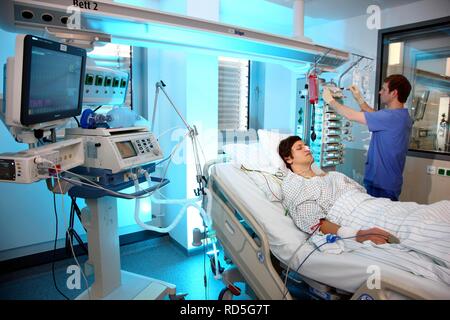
(341, 9)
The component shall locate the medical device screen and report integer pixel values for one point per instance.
(52, 80)
(126, 149)
(7, 169)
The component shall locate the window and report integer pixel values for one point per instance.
(233, 94)
(421, 52)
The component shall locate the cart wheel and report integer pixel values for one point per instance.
(225, 294)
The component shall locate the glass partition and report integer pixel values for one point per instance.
(421, 52)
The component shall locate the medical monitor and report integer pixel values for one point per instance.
(44, 82)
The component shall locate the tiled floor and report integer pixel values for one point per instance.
(158, 258)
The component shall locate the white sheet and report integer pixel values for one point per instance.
(423, 230)
(346, 271)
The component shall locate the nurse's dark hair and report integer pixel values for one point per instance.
(285, 146)
(401, 84)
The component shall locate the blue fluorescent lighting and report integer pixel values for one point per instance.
(259, 15)
(158, 35)
(154, 4)
(202, 41)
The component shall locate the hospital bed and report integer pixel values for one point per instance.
(261, 241)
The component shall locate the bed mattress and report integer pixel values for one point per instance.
(346, 271)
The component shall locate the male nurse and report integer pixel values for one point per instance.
(391, 129)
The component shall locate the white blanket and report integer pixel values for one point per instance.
(423, 230)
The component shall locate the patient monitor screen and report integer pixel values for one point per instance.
(54, 81)
(126, 149)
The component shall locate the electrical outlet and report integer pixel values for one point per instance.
(441, 171)
(431, 169)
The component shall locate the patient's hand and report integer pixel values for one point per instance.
(376, 235)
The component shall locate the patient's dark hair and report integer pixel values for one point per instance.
(285, 146)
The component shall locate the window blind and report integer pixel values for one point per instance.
(233, 94)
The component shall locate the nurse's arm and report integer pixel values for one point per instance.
(349, 113)
(365, 107)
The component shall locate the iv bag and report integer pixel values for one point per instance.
(356, 77)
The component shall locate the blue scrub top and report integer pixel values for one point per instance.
(391, 129)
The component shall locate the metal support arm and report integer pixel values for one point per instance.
(193, 133)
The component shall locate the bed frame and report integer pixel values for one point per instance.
(246, 245)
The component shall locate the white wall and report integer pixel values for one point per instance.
(202, 91)
(151, 4)
(279, 98)
(257, 14)
(7, 39)
(172, 68)
(353, 35)
(192, 84)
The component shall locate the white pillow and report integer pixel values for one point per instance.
(270, 141)
(252, 156)
(268, 183)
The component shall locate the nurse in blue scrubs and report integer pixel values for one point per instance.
(391, 129)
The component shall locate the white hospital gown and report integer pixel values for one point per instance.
(309, 200)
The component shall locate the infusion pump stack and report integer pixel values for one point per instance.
(44, 86)
(322, 128)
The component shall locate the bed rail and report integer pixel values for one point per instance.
(389, 290)
(256, 268)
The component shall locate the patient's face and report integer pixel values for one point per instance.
(300, 153)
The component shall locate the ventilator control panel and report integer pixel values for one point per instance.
(118, 149)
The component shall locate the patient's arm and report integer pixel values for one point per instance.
(329, 227)
(376, 235)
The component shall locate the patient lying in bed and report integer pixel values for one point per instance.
(334, 203)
